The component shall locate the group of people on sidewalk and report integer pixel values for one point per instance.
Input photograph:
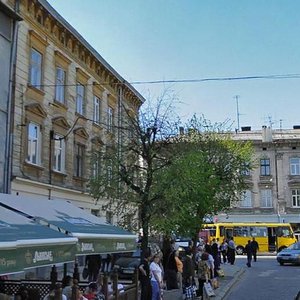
(159, 272)
(168, 271)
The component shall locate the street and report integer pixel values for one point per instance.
(266, 279)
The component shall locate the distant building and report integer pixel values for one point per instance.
(273, 193)
(68, 102)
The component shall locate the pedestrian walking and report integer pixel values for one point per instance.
(231, 251)
(249, 252)
(145, 278)
(224, 248)
(255, 248)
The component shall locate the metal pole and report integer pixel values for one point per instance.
(237, 112)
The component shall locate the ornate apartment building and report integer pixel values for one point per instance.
(68, 102)
(274, 183)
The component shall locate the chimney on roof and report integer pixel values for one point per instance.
(296, 127)
(267, 134)
(246, 128)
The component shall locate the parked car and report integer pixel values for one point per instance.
(290, 254)
(182, 245)
(126, 265)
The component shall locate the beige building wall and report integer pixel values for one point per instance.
(279, 147)
(60, 45)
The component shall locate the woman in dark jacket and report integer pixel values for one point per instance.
(188, 269)
(171, 271)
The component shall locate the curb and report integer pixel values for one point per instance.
(230, 284)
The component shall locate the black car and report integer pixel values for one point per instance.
(126, 265)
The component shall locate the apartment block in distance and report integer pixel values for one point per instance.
(273, 193)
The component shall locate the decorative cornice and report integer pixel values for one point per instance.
(81, 76)
(97, 89)
(37, 40)
(62, 59)
(80, 131)
(61, 121)
(37, 109)
(97, 141)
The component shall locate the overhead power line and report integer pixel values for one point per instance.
(254, 77)
(284, 76)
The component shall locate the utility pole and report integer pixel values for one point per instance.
(237, 111)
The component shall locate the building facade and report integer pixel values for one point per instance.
(8, 29)
(68, 102)
(273, 193)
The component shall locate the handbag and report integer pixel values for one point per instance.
(208, 290)
(214, 283)
(190, 292)
(85, 273)
(221, 272)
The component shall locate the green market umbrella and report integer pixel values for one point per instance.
(93, 233)
(26, 244)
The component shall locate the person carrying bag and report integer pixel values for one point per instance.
(203, 273)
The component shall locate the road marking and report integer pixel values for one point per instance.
(266, 273)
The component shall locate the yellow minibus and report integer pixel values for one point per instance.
(270, 237)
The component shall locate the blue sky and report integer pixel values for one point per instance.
(146, 40)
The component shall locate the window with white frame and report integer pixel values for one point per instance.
(79, 98)
(296, 197)
(79, 160)
(295, 166)
(246, 200)
(265, 169)
(34, 144)
(59, 153)
(266, 198)
(60, 85)
(36, 59)
(96, 115)
(96, 166)
(110, 118)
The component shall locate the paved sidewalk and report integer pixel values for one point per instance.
(232, 275)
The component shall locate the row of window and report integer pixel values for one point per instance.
(265, 167)
(36, 71)
(34, 143)
(266, 200)
(59, 154)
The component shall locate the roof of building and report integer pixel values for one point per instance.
(267, 135)
(67, 25)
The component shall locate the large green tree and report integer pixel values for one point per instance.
(156, 179)
(205, 177)
(127, 171)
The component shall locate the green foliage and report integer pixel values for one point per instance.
(159, 180)
(205, 177)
